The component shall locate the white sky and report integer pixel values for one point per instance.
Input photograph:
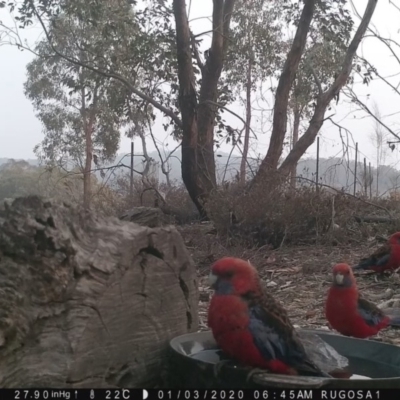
(20, 130)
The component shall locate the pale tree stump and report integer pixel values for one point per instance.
(86, 301)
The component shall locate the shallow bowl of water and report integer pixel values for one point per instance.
(371, 365)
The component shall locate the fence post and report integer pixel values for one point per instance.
(370, 181)
(355, 171)
(317, 167)
(365, 177)
(131, 181)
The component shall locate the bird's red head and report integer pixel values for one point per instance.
(231, 275)
(343, 276)
(395, 239)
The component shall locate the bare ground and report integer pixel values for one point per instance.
(298, 276)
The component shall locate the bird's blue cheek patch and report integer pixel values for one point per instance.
(347, 282)
(223, 287)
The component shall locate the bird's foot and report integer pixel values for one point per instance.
(253, 372)
(218, 366)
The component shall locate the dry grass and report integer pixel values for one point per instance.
(298, 276)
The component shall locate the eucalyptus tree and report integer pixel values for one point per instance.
(328, 16)
(255, 53)
(82, 111)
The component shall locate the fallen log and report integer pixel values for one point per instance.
(89, 302)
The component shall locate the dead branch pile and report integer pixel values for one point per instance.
(299, 216)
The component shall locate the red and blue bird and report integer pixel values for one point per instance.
(385, 258)
(250, 326)
(349, 313)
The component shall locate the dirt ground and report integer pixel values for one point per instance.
(298, 276)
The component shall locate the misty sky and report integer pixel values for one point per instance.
(20, 130)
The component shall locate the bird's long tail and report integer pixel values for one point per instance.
(395, 322)
(364, 264)
(394, 315)
(308, 368)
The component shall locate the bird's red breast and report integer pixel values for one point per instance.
(229, 320)
(341, 310)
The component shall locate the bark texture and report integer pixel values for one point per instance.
(296, 125)
(88, 302)
(198, 107)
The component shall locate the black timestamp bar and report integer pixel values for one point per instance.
(198, 394)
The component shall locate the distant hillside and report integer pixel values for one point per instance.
(334, 172)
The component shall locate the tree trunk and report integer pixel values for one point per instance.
(198, 117)
(377, 172)
(279, 124)
(248, 121)
(296, 125)
(323, 100)
(89, 302)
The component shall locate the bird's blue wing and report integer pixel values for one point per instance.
(269, 337)
(383, 260)
(370, 313)
(275, 337)
(379, 258)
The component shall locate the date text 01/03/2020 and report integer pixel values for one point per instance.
(270, 394)
(203, 394)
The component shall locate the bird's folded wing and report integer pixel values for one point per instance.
(378, 258)
(371, 314)
(382, 254)
(275, 337)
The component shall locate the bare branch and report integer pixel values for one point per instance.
(202, 33)
(213, 103)
(196, 52)
(380, 76)
(394, 5)
(164, 170)
(354, 97)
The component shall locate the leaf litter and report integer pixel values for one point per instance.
(298, 276)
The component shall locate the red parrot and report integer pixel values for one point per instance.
(250, 326)
(350, 314)
(387, 257)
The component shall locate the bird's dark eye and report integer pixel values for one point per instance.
(228, 274)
